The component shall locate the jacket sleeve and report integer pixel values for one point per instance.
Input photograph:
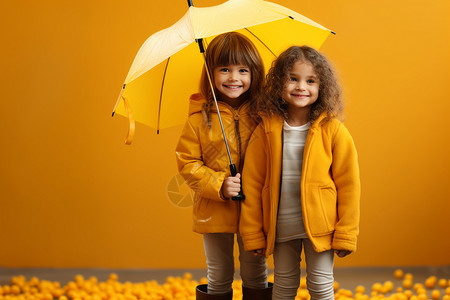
(345, 172)
(205, 182)
(253, 178)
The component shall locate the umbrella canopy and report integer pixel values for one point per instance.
(167, 68)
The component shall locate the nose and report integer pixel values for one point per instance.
(233, 76)
(300, 85)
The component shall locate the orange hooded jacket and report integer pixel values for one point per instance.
(330, 186)
(203, 162)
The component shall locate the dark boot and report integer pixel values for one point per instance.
(201, 293)
(257, 294)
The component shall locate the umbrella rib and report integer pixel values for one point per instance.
(260, 41)
(160, 95)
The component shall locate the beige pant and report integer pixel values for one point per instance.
(319, 270)
(220, 262)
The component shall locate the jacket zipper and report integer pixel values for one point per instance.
(238, 135)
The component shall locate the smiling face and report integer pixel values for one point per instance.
(301, 90)
(232, 82)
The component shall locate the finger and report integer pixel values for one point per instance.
(235, 179)
(238, 175)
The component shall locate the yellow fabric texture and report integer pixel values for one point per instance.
(203, 162)
(330, 187)
(167, 68)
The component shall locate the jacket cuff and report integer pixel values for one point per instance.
(213, 188)
(344, 241)
(253, 241)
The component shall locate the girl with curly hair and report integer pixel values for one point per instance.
(301, 176)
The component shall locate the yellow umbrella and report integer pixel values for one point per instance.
(167, 68)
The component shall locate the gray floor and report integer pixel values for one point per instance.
(347, 278)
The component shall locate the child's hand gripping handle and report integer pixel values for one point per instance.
(241, 195)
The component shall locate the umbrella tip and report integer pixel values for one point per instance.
(113, 114)
(157, 131)
(333, 32)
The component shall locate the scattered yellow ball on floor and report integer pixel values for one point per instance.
(303, 282)
(388, 286)
(360, 289)
(113, 277)
(430, 282)
(421, 290)
(436, 294)
(303, 294)
(422, 297)
(409, 276)
(408, 293)
(398, 274)
(407, 283)
(183, 288)
(442, 283)
(376, 287)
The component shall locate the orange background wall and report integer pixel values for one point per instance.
(73, 195)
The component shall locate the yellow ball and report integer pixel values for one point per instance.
(335, 286)
(360, 289)
(430, 282)
(408, 276)
(376, 287)
(398, 274)
(422, 297)
(408, 293)
(388, 286)
(303, 282)
(436, 294)
(407, 283)
(113, 277)
(442, 283)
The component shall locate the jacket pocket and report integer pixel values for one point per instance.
(321, 208)
(201, 210)
(266, 209)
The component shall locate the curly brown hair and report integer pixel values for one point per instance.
(329, 100)
(233, 48)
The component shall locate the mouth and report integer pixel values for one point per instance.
(300, 96)
(232, 87)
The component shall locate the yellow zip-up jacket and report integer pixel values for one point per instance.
(203, 162)
(330, 186)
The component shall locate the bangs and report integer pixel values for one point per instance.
(234, 51)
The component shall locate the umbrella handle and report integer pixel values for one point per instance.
(241, 195)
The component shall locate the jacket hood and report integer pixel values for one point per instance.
(196, 102)
(274, 123)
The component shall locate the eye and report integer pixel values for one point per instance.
(292, 79)
(223, 70)
(244, 70)
(311, 81)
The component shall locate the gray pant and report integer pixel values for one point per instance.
(220, 262)
(319, 270)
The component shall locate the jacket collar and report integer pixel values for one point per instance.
(274, 124)
(197, 101)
